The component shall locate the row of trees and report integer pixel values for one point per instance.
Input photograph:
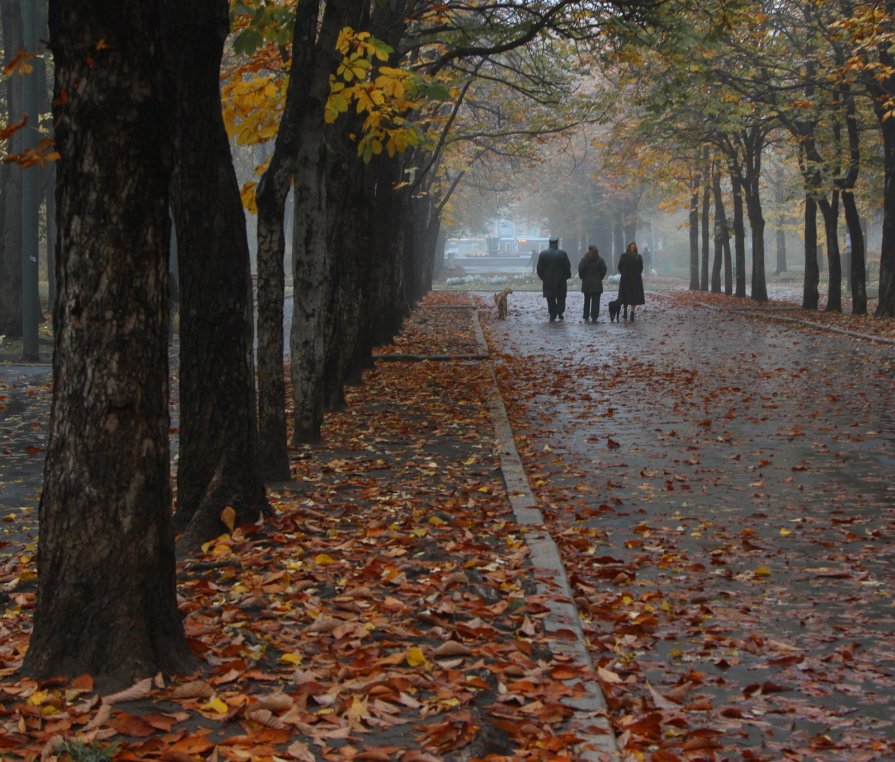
(369, 141)
(800, 83)
(377, 112)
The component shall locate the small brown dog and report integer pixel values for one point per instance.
(500, 299)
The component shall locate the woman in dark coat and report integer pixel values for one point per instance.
(630, 287)
(592, 270)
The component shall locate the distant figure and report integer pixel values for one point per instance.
(533, 261)
(592, 270)
(647, 259)
(554, 269)
(630, 287)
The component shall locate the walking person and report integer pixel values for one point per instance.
(592, 270)
(554, 269)
(630, 286)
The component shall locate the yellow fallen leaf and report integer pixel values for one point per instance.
(290, 658)
(217, 704)
(436, 521)
(762, 571)
(415, 657)
(324, 559)
(228, 516)
(785, 532)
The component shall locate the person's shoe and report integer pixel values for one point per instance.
(561, 316)
(552, 318)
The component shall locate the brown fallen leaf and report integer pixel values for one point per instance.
(452, 648)
(138, 690)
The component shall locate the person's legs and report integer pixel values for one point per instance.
(561, 307)
(624, 311)
(551, 307)
(587, 305)
(595, 307)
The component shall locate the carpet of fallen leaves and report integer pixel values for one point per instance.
(720, 488)
(387, 613)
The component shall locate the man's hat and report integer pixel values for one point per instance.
(554, 240)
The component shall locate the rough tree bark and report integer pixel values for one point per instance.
(11, 176)
(694, 233)
(312, 266)
(858, 253)
(830, 212)
(739, 231)
(722, 238)
(704, 224)
(106, 602)
(270, 196)
(218, 429)
(810, 296)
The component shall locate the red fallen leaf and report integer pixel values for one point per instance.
(131, 725)
(663, 755)
(649, 727)
(565, 672)
(612, 444)
(192, 744)
(33, 449)
(702, 739)
(82, 683)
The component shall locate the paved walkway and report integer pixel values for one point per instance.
(721, 488)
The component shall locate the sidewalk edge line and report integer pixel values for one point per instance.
(589, 721)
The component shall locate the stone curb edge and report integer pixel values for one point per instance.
(801, 321)
(589, 721)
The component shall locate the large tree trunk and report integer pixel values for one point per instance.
(218, 431)
(722, 243)
(830, 212)
(810, 296)
(312, 266)
(756, 223)
(706, 207)
(11, 175)
(106, 602)
(779, 204)
(739, 232)
(886, 305)
(858, 254)
(694, 234)
(271, 197)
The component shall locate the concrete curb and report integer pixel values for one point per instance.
(589, 721)
(802, 321)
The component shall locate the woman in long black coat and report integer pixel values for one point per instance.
(592, 270)
(630, 286)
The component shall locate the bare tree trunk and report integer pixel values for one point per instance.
(106, 601)
(810, 296)
(11, 174)
(830, 212)
(858, 254)
(721, 239)
(739, 232)
(218, 430)
(312, 266)
(694, 235)
(706, 201)
(271, 197)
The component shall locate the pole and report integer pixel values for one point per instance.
(30, 200)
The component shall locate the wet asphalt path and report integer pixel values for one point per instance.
(722, 489)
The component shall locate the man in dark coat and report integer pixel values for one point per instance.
(554, 269)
